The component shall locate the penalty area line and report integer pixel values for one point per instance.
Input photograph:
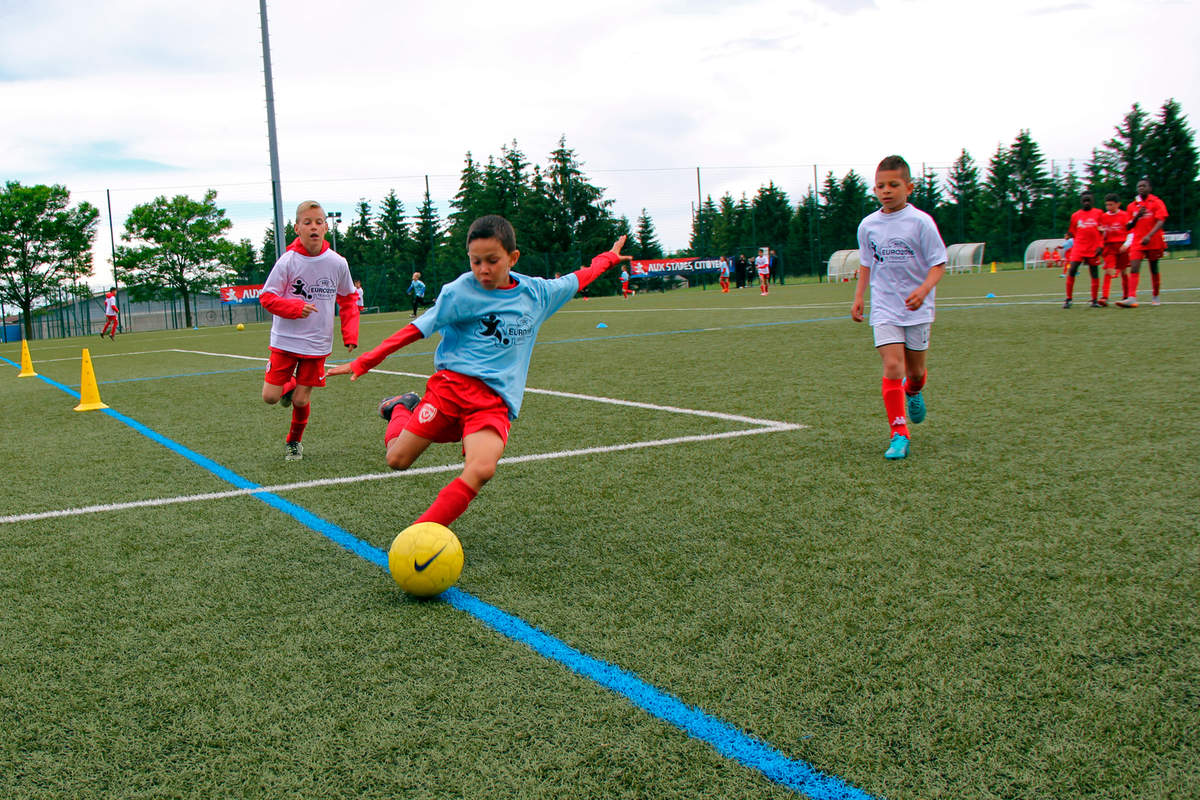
(101, 508)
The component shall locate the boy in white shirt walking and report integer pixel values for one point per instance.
(903, 258)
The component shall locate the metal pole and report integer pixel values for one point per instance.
(276, 191)
(112, 240)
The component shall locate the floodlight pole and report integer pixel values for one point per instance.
(276, 193)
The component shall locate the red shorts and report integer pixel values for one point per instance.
(456, 405)
(1091, 259)
(309, 370)
(1114, 258)
(1136, 251)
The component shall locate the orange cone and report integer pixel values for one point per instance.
(89, 392)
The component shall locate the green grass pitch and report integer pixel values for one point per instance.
(1008, 613)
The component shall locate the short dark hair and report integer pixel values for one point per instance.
(1088, 195)
(493, 226)
(895, 162)
(1146, 181)
(1111, 198)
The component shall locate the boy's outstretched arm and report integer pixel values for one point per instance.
(602, 262)
(372, 358)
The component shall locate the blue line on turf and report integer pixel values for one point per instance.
(722, 737)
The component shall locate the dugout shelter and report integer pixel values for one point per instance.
(965, 257)
(1033, 253)
(842, 266)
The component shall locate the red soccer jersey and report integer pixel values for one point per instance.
(1085, 230)
(1155, 210)
(1114, 226)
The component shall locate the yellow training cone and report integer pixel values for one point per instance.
(26, 362)
(993, 266)
(89, 393)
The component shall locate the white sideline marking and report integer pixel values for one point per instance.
(775, 427)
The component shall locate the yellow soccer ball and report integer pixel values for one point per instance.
(241, 327)
(425, 559)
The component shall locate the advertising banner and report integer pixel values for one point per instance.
(661, 267)
(240, 294)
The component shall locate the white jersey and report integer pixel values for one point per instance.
(763, 265)
(110, 305)
(899, 248)
(313, 279)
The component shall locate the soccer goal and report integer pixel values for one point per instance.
(843, 265)
(965, 257)
(1036, 250)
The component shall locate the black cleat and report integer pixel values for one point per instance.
(1067, 303)
(409, 400)
(1096, 304)
(285, 399)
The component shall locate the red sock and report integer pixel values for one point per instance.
(913, 387)
(1134, 277)
(1124, 285)
(1095, 288)
(299, 420)
(1155, 283)
(287, 387)
(400, 418)
(1070, 286)
(451, 502)
(893, 404)
(1107, 283)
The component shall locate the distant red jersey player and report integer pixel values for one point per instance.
(1149, 214)
(1115, 225)
(1084, 230)
(110, 314)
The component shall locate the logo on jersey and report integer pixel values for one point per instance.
(896, 251)
(426, 413)
(323, 287)
(503, 333)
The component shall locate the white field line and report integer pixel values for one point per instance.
(777, 427)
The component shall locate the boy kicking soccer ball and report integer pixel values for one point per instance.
(300, 293)
(903, 257)
(489, 320)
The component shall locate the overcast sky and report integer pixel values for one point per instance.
(146, 98)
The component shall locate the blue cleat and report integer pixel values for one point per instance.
(898, 448)
(916, 408)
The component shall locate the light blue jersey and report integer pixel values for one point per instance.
(489, 334)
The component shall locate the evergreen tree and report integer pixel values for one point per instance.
(996, 218)
(927, 192)
(805, 250)
(703, 229)
(959, 217)
(583, 221)
(1128, 149)
(467, 205)
(772, 215)
(1172, 164)
(723, 235)
(269, 256)
(645, 241)
(425, 236)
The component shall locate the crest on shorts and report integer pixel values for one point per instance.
(426, 413)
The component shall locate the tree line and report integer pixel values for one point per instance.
(176, 247)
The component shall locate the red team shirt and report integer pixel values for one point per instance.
(1155, 210)
(1085, 229)
(1114, 226)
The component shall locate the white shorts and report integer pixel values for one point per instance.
(913, 337)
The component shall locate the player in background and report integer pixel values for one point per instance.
(359, 299)
(762, 264)
(724, 276)
(903, 257)
(488, 319)
(300, 293)
(1114, 225)
(110, 314)
(1148, 215)
(625, 290)
(1046, 256)
(1084, 231)
(417, 289)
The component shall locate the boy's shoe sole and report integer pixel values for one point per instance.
(409, 400)
(898, 448)
(1128, 302)
(916, 408)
